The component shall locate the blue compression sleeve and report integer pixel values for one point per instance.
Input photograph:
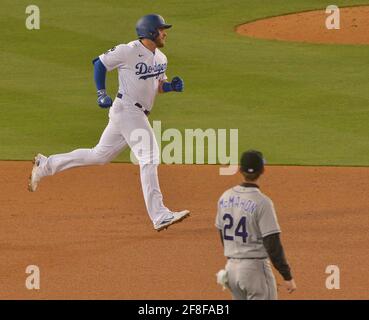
(99, 74)
(167, 87)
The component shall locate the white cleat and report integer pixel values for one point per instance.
(177, 217)
(35, 176)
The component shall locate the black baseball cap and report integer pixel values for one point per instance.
(252, 161)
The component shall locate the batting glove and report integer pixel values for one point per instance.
(177, 84)
(103, 100)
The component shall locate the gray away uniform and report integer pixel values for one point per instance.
(246, 218)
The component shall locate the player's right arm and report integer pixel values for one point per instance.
(108, 61)
(219, 223)
(103, 100)
(221, 237)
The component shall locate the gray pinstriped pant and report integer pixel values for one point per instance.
(251, 279)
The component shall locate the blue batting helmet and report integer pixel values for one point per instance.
(147, 26)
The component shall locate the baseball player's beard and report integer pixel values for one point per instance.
(159, 42)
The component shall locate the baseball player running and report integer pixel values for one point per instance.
(141, 72)
(249, 232)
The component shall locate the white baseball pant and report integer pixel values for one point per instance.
(128, 125)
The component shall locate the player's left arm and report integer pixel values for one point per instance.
(270, 231)
(274, 248)
(177, 84)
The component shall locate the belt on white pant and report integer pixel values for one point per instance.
(138, 105)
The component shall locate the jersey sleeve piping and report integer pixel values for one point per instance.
(270, 232)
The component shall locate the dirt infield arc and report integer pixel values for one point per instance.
(88, 231)
(310, 27)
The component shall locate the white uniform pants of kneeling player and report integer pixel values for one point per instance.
(127, 124)
(251, 279)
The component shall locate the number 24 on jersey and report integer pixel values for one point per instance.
(240, 230)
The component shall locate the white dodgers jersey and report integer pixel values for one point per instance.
(139, 70)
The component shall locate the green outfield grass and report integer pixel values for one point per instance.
(299, 103)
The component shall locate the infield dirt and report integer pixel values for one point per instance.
(88, 231)
(310, 27)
